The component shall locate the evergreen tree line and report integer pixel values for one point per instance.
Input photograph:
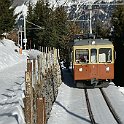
(53, 25)
(55, 30)
(117, 21)
(117, 35)
(7, 18)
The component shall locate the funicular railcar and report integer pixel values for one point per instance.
(93, 62)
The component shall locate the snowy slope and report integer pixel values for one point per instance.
(57, 2)
(8, 54)
(12, 82)
(12, 71)
(74, 7)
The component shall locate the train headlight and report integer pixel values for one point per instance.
(80, 69)
(107, 69)
(93, 43)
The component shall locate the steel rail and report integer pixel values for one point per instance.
(89, 107)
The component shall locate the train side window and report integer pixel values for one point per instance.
(93, 55)
(82, 56)
(105, 55)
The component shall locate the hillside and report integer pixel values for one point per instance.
(77, 10)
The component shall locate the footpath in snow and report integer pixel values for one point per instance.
(11, 94)
(70, 105)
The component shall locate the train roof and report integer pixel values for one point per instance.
(81, 42)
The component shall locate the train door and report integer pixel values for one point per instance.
(93, 65)
(106, 66)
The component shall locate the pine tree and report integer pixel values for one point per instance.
(118, 41)
(54, 22)
(7, 19)
(61, 24)
(73, 29)
(102, 30)
(118, 23)
(40, 15)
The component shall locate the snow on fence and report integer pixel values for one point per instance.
(43, 77)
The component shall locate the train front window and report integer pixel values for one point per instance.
(105, 55)
(82, 56)
(93, 55)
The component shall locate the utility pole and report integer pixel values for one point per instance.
(24, 12)
(21, 36)
(20, 39)
(90, 19)
(90, 5)
(25, 39)
(18, 35)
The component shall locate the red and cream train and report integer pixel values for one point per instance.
(93, 62)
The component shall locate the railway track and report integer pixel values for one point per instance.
(106, 99)
(89, 107)
(108, 103)
(115, 115)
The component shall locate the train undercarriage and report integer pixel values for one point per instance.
(92, 83)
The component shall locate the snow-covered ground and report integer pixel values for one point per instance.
(12, 70)
(12, 85)
(12, 82)
(70, 105)
(8, 56)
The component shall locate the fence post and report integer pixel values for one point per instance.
(41, 119)
(29, 94)
(34, 72)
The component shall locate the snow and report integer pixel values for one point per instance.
(66, 109)
(21, 10)
(12, 82)
(8, 56)
(121, 89)
(70, 106)
(70, 2)
(12, 86)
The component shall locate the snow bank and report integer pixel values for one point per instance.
(8, 54)
(121, 89)
(12, 70)
(32, 54)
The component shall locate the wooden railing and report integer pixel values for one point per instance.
(42, 79)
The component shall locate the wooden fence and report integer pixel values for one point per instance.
(42, 79)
